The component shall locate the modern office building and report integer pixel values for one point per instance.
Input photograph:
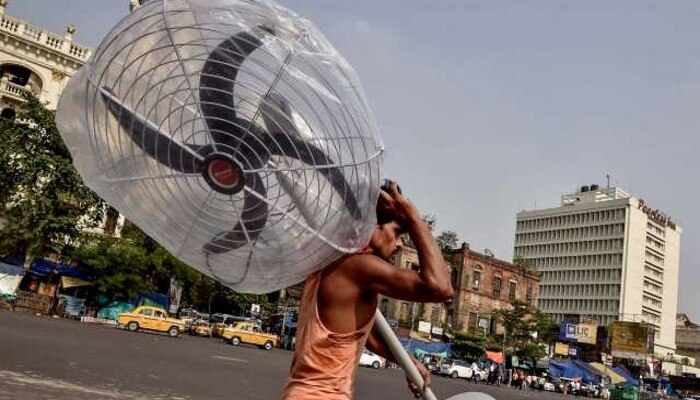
(604, 256)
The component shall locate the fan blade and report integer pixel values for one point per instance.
(253, 220)
(150, 139)
(216, 84)
(285, 140)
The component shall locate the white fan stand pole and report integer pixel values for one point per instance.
(404, 360)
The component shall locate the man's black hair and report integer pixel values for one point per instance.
(384, 217)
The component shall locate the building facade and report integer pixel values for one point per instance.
(605, 255)
(687, 338)
(484, 284)
(35, 60)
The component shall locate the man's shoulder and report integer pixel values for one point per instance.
(358, 261)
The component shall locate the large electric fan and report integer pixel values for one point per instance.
(231, 132)
(236, 136)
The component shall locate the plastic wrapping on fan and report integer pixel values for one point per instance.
(231, 132)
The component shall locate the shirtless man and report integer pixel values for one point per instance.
(338, 303)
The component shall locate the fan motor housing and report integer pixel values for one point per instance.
(223, 173)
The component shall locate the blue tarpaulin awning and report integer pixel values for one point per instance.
(625, 373)
(46, 268)
(13, 270)
(573, 370)
(413, 345)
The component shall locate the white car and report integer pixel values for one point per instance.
(481, 374)
(369, 359)
(456, 369)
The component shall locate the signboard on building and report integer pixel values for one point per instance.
(629, 339)
(436, 330)
(574, 351)
(561, 349)
(579, 333)
(656, 215)
(424, 326)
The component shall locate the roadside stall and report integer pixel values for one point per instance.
(71, 306)
(10, 278)
(40, 286)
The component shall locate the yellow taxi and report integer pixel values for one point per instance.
(151, 319)
(250, 332)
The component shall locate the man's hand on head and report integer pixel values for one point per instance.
(395, 204)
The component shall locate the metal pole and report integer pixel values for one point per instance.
(402, 357)
(284, 316)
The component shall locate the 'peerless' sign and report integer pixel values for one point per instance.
(656, 215)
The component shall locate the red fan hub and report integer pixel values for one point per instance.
(223, 174)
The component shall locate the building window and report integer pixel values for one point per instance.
(497, 287)
(476, 280)
(472, 322)
(513, 288)
(455, 277)
(384, 306)
(403, 315)
(529, 296)
(435, 315)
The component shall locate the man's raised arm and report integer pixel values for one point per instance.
(431, 284)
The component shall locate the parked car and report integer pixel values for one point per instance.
(200, 328)
(432, 363)
(548, 386)
(433, 367)
(250, 332)
(481, 374)
(369, 359)
(151, 319)
(222, 321)
(456, 369)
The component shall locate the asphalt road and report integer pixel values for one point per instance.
(46, 358)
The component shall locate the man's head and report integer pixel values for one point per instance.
(386, 239)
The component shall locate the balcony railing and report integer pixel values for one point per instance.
(13, 90)
(44, 38)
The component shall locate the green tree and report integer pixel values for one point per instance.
(44, 201)
(447, 240)
(523, 326)
(429, 219)
(118, 266)
(469, 348)
(527, 264)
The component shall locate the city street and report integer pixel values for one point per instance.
(41, 357)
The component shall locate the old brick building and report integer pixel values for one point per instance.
(484, 284)
(687, 338)
(401, 310)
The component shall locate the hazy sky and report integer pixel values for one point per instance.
(491, 107)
